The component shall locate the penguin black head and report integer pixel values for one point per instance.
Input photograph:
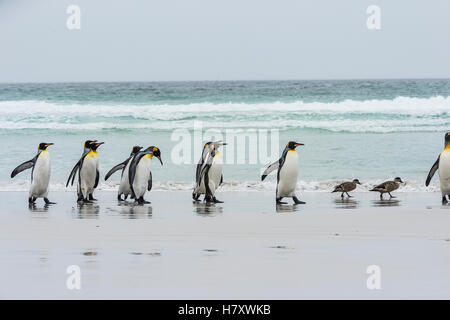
(447, 137)
(398, 180)
(356, 181)
(156, 153)
(292, 145)
(44, 145)
(89, 143)
(95, 145)
(135, 150)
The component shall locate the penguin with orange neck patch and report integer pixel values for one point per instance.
(287, 174)
(443, 165)
(40, 174)
(87, 169)
(139, 174)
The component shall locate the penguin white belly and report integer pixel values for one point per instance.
(41, 176)
(88, 173)
(444, 172)
(124, 187)
(288, 175)
(215, 173)
(142, 175)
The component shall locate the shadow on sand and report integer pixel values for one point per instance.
(207, 209)
(287, 208)
(346, 203)
(132, 210)
(386, 203)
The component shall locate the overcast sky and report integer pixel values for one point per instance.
(150, 40)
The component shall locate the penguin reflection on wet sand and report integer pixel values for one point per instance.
(287, 174)
(388, 187)
(346, 187)
(40, 174)
(139, 174)
(443, 165)
(209, 175)
(87, 169)
(124, 187)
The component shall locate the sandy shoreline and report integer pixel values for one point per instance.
(245, 248)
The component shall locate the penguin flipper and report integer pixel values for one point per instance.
(269, 169)
(221, 180)
(24, 166)
(432, 171)
(97, 177)
(73, 173)
(149, 187)
(118, 167)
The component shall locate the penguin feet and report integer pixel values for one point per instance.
(444, 200)
(31, 200)
(209, 199)
(278, 200)
(296, 201)
(216, 200)
(142, 201)
(91, 198)
(195, 196)
(119, 198)
(48, 201)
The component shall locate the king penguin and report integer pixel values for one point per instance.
(139, 174)
(209, 172)
(87, 169)
(124, 187)
(287, 174)
(40, 174)
(443, 165)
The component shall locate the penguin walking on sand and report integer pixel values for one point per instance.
(443, 165)
(388, 187)
(124, 187)
(346, 187)
(287, 174)
(139, 174)
(87, 169)
(40, 174)
(209, 172)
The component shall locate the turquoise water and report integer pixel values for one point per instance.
(370, 129)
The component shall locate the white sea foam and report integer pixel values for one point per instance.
(302, 186)
(401, 114)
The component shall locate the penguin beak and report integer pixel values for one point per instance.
(98, 144)
(159, 158)
(49, 144)
(298, 144)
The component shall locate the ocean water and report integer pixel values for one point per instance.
(368, 129)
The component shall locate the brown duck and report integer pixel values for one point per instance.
(346, 187)
(388, 187)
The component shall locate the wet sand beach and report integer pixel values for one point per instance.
(245, 248)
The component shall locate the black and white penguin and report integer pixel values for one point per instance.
(124, 187)
(87, 169)
(443, 165)
(287, 174)
(209, 172)
(40, 173)
(139, 174)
